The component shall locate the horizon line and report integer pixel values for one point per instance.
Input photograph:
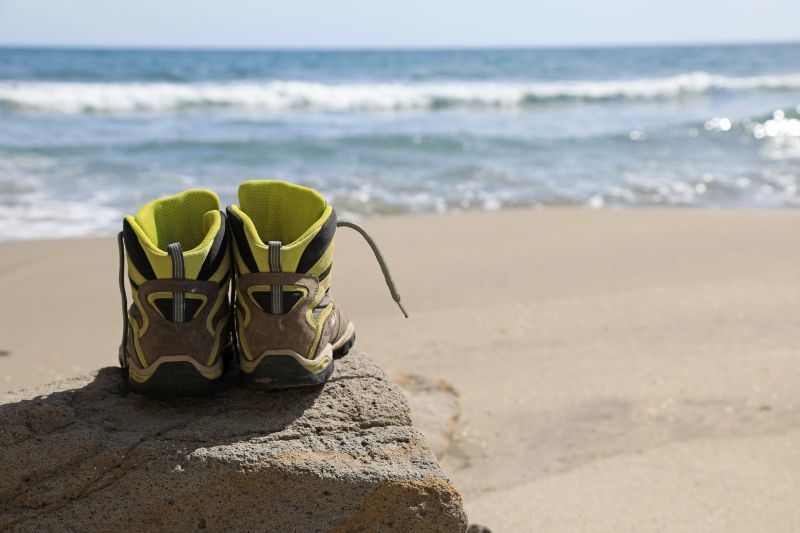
(386, 48)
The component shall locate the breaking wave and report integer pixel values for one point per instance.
(96, 97)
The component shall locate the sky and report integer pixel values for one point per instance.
(393, 24)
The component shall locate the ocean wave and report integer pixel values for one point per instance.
(95, 97)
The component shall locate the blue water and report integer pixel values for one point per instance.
(86, 136)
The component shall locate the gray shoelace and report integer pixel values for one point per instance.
(381, 261)
(121, 246)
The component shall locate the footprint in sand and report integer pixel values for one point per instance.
(435, 409)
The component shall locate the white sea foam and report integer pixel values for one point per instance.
(84, 97)
(30, 209)
(55, 219)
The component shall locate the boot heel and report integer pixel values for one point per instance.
(175, 379)
(284, 372)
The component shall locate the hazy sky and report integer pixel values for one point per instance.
(383, 23)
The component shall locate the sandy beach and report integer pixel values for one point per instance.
(615, 370)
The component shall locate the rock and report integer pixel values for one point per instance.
(88, 455)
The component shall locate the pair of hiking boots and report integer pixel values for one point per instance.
(246, 288)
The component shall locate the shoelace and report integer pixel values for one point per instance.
(387, 276)
(381, 261)
(121, 246)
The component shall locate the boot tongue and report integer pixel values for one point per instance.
(179, 218)
(191, 218)
(186, 253)
(280, 211)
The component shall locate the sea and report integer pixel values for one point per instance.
(87, 136)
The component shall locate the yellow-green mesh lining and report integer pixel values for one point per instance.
(179, 218)
(279, 210)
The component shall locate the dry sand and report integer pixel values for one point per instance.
(616, 370)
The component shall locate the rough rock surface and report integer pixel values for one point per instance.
(87, 455)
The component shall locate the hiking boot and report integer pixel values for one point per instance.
(178, 329)
(288, 328)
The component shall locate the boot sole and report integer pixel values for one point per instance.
(182, 378)
(276, 372)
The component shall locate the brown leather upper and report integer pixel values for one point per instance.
(192, 338)
(295, 329)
